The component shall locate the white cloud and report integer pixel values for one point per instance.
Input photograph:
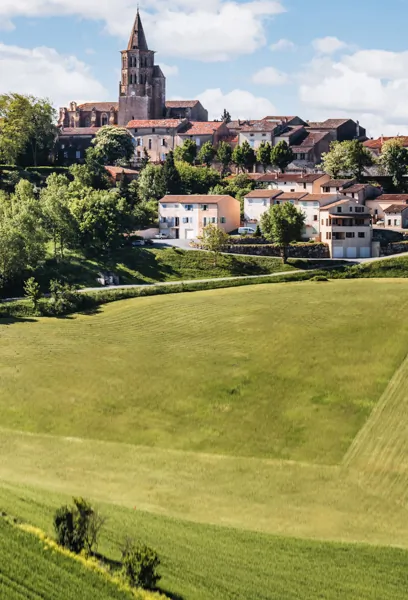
(270, 76)
(328, 45)
(282, 45)
(43, 72)
(169, 70)
(215, 31)
(369, 85)
(240, 103)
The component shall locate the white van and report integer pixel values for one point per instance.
(246, 230)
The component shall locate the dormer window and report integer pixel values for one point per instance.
(339, 209)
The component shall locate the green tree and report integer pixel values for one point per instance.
(114, 145)
(394, 162)
(32, 292)
(358, 158)
(238, 158)
(345, 159)
(172, 180)
(207, 154)
(214, 240)
(27, 129)
(144, 161)
(25, 212)
(77, 527)
(224, 155)
(263, 155)
(281, 156)
(283, 224)
(151, 184)
(13, 257)
(139, 565)
(226, 117)
(335, 162)
(244, 157)
(187, 152)
(197, 180)
(58, 220)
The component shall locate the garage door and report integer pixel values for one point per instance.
(365, 252)
(189, 234)
(352, 252)
(338, 252)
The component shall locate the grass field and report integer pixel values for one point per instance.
(206, 423)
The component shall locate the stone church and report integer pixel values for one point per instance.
(142, 94)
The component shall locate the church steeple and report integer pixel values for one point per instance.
(137, 40)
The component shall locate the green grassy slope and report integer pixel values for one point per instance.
(288, 372)
(202, 562)
(28, 571)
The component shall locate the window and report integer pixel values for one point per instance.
(185, 220)
(292, 190)
(78, 154)
(104, 120)
(351, 209)
(315, 217)
(163, 157)
(66, 156)
(264, 202)
(62, 146)
(395, 222)
(304, 186)
(376, 212)
(264, 135)
(213, 220)
(188, 207)
(350, 234)
(153, 129)
(251, 135)
(316, 204)
(326, 190)
(361, 234)
(361, 209)
(223, 220)
(322, 221)
(327, 222)
(352, 194)
(301, 156)
(150, 144)
(163, 219)
(339, 209)
(139, 142)
(133, 120)
(198, 142)
(389, 221)
(163, 142)
(204, 207)
(328, 235)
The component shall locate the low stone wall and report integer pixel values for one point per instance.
(395, 248)
(295, 250)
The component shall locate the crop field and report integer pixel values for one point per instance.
(256, 437)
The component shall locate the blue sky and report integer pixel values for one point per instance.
(317, 59)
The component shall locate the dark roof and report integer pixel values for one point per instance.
(292, 196)
(137, 38)
(358, 187)
(181, 103)
(279, 118)
(99, 106)
(338, 183)
(396, 208)
(329, 124)
(310, 141)
(68, 131)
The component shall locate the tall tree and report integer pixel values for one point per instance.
(263, 155)
(224, 155)
(172, 180)
(27, 129)
(358, 158)
(114, 145)
(335, 162)
(206, 154)
(151, 184)
(187, 152)
(281, 156)
(394, 162)
(283, 224)
(244, 157)
(226, 117)
(58, 220)
(346, 159)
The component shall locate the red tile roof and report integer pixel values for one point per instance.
(118, 170)
(167, 123)
(291, 177)
(100, 106)
(338, 183)
(263, 194)
(378, 143)
(394, 198)
(195, 199)
(258, 126)
(310, 141)
(201, 128)
(396, 208)
(317, 197)
(78, 131)
(354, 189)
(341, 200)
(181, 103)
(292, 196)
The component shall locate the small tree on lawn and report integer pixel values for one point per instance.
(140, 564)
(78, 527)
(281, 156)
(32, 292)
(214, 240)
(206, 154)
(263, 156)
(283, 224)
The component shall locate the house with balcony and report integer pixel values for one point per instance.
(184, 217)
(310, 205)
(346, 227)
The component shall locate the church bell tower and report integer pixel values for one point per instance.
(143, 85)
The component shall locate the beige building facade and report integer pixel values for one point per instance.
(346, 227)
(184, 217)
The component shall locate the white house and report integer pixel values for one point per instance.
(256, 203)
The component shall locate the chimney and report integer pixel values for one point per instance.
(358, 129)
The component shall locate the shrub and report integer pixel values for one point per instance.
(64, 298)
(32, 292)
(258, 232)
(139, 565)
(319, 278)
(77, 527)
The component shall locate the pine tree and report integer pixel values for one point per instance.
(171, 176)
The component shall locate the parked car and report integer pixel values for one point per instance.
(138, 243)
(161, 236)
(246, 231)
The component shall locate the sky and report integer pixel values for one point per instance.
(315, 59)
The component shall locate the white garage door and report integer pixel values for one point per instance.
(338, 252)
(189, 234)
(352, 252)
(365, 252)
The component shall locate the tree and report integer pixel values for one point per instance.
(114, 145)
(358, 158)
(345, 159)
(263, 155)
(283, 224)
(224, 155)
(140, 564)
(394, 162)
(281, 156)
(27, 129)
(151, 184)
(32, 292)
(244, 156)
(207, 154)
(238, 158)
(13, 257)
(197, 180)
(187, 152)
(335, 162)
(144, 161)
(77, 527)
(58, 220)
(214, 240)
(226, 117)
(172, 181)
